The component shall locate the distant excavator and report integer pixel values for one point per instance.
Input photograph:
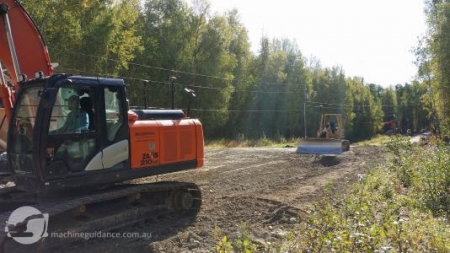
(329, 140)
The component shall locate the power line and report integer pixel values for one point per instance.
(174, 71)
(182, 84)
(310, 104)
(250, 110)
(236, 90)
(194, 74)
(151, 67)
(318, 104)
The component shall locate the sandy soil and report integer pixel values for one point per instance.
(269, 189)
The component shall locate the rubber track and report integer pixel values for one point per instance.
(56, 207)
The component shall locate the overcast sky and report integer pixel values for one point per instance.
(372, 39)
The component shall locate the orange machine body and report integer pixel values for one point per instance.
(155, 141)
(161, 142)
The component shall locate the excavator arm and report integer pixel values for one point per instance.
(22, 47)
(22, 52)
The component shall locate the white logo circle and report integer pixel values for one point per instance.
(27, 225)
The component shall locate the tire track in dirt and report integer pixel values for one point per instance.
(268, 189)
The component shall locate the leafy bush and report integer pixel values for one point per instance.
(403, 206)
(425, 173)
(242, 243)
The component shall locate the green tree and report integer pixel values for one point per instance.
(243, 80)
(426, 77)
(411, 111)
(88, 37)
(438, 13)
(368, 114)
(277, 97)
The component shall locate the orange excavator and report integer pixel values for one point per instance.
(73, 145)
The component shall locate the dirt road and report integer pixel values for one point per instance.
(268, 189)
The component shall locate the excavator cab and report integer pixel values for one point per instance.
(50, 142)
(76, 132)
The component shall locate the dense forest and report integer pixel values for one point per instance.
(239, 93)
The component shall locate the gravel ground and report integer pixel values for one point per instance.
(269, 189)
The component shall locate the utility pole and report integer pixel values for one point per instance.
(305, 99)
(145, 93)
(172, 90)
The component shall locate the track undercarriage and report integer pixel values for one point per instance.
(76, 217)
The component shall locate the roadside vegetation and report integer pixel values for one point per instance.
(261, 142)
(402, 206)
(377, 140)
(279, 142)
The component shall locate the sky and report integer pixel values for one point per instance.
(372, 39)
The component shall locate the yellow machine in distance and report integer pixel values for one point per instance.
(329, 140)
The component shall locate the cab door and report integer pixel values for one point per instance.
(114, 153)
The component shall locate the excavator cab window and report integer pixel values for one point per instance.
(21, 138)
(67, 115)
(26, 114)
(71, 140)
(114, 114)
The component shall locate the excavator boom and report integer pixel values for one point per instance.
(25, 51)
(22, 52)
